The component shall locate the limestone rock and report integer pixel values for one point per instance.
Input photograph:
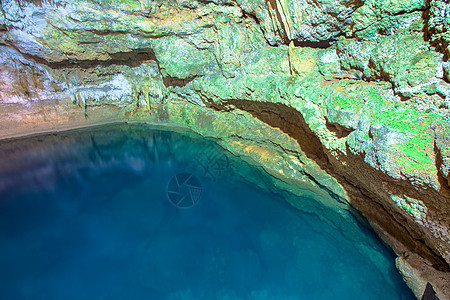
(23, 80)
(307, 21)
(384, 17)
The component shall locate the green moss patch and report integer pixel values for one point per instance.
(416, 152)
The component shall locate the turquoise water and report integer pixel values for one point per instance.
(128, 212)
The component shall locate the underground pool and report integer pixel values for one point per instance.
(135, 212)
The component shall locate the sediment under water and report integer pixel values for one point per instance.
(128, 212)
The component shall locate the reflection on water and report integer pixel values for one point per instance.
(103, 214)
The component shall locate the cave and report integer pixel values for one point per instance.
(330, 120)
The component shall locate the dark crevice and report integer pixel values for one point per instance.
(316, 44)
(426, 14)
(177, 82)
(370, 134)
(443, 182)
(132, 59)
(205, 2)
(291, 122)
(446, 76)
(355, 4)
(251, 16)
(441, 45)
(400, 95)
(429, 293)
(403, 12)
(383, 76)
(108, 32)
(339, 130)
(331, 193)
(440, 94)
(87, 43)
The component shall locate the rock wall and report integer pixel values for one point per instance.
(357, 89)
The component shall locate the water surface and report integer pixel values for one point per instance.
(103, 214)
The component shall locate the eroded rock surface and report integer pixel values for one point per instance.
(357, 89)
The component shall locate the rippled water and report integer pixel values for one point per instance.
(129, 212)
